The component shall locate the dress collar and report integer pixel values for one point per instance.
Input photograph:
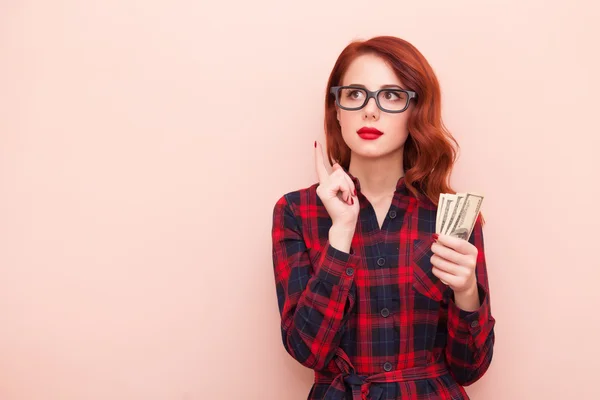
(400, 185)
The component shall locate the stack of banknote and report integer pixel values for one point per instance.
(457, 213)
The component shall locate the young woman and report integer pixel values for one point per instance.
(370, 297)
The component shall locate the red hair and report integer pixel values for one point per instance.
(429, 150)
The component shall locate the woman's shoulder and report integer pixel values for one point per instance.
(298, 199)
(426, 203)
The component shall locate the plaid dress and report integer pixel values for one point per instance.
(375, 323)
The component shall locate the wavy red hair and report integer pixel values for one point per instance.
(430, 150)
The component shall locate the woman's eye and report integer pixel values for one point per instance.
(393, 96)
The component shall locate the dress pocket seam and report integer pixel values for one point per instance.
(424, 281)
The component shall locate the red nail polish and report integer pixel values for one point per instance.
(355, 191)
(435, 236)
(351, 201)
(315, 144)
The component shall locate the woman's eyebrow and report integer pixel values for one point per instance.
(382, 87)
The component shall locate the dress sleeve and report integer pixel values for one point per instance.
(314, 299)
(470, 343)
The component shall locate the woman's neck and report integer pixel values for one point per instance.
(378, 177)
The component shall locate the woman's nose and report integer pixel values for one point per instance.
(371, 108)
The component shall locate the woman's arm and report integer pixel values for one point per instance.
(470, 343)
(314, 300)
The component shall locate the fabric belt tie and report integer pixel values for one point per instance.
(360, 385)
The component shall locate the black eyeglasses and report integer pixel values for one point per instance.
(354, 98)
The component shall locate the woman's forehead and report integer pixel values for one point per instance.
(370, 71)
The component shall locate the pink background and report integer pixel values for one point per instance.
(144, 143)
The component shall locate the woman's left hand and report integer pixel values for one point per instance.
(454, 262)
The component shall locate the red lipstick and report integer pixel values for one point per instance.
(369, 133)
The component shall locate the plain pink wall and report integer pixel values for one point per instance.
(144, 143)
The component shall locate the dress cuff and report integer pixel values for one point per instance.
(336, 266)
(476, 323)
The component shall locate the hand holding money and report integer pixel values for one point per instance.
(454, 260)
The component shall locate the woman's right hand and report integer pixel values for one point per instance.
(337, 192)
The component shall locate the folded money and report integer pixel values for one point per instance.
(457, 213)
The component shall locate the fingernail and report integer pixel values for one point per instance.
(435, 236)
(315, 144)
(355, 191)
(351, 201)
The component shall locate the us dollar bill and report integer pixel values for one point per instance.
(457, 214)
(443, 217)
(454, 213)
(438, 219)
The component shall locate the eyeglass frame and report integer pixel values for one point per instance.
(372, 94)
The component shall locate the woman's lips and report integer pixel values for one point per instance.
(368, 133)
(369, 136)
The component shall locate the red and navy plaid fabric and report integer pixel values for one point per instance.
(375, 323)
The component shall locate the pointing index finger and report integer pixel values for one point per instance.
(320, 163)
